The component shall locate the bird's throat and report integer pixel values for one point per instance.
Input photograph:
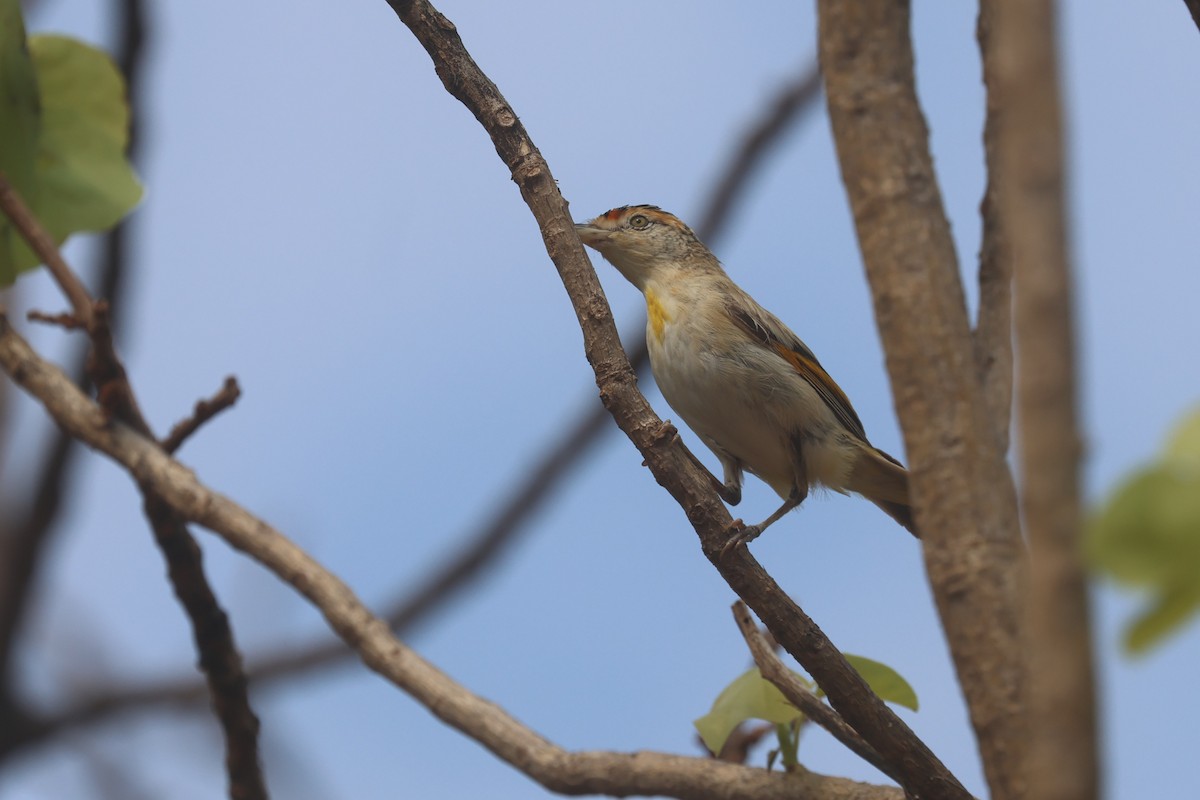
(658, 314)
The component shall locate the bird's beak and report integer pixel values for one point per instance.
(590, 234)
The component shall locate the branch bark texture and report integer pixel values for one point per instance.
(993, 324)
(1063, 760)
(963, 492)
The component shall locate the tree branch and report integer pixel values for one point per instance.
(1063, 763)
(210, 627)
(992, 336)
(556, 769)
(800, 695)
(797, 96)
(962, 490)
(672, 467)
(205, 410)
(1194, 7)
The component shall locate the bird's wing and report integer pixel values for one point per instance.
(776, 337)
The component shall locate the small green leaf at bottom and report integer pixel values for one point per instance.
(750, 696)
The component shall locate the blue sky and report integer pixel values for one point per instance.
(325, 222)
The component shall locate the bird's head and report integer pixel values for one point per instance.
(642, 240)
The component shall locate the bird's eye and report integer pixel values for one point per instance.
(639, 222)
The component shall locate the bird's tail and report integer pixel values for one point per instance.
(882, 480)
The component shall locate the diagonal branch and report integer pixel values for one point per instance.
(1063, 759)
(673, 468)
(799, 95)
(205, 410)
(1194, 8)
(800, 695)
(962, 489)
(618, 774)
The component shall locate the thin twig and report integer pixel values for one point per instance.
(581, 773)
(1063, 727)
(43, 246)
(205, 410)
(963, 492)
(741, 741)
(64, 320)
(800, 696)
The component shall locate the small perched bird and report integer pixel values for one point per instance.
(749, 388)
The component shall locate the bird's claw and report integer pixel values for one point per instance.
(666, 431)
(742, 534)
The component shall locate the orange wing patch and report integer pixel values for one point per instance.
(830, 392)
(806, 366)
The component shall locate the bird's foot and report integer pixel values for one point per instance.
(742, 534)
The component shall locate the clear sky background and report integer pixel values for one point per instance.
(325, 222)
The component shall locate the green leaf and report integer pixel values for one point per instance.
(750, 696)
(884, 681)
(1183, 447)
(20, 110)
(1147, 535)
(81, 180)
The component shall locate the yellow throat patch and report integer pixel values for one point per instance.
(658, 314)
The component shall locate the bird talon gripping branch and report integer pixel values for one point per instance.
(742, 534)
(749, 387)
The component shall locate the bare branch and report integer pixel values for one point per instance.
(741, 741)
(993, 325)
(205, 410)
(43, 246)
(556, 769)
(1194, 7)
(210, 627)
(799, 695)
(796, 97)
(66, 320)
(1063, 760)
(962, 489)
(922, 773)
(219, 658)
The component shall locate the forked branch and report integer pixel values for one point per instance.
(963, 492)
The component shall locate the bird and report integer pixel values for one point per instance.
(748, 387)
